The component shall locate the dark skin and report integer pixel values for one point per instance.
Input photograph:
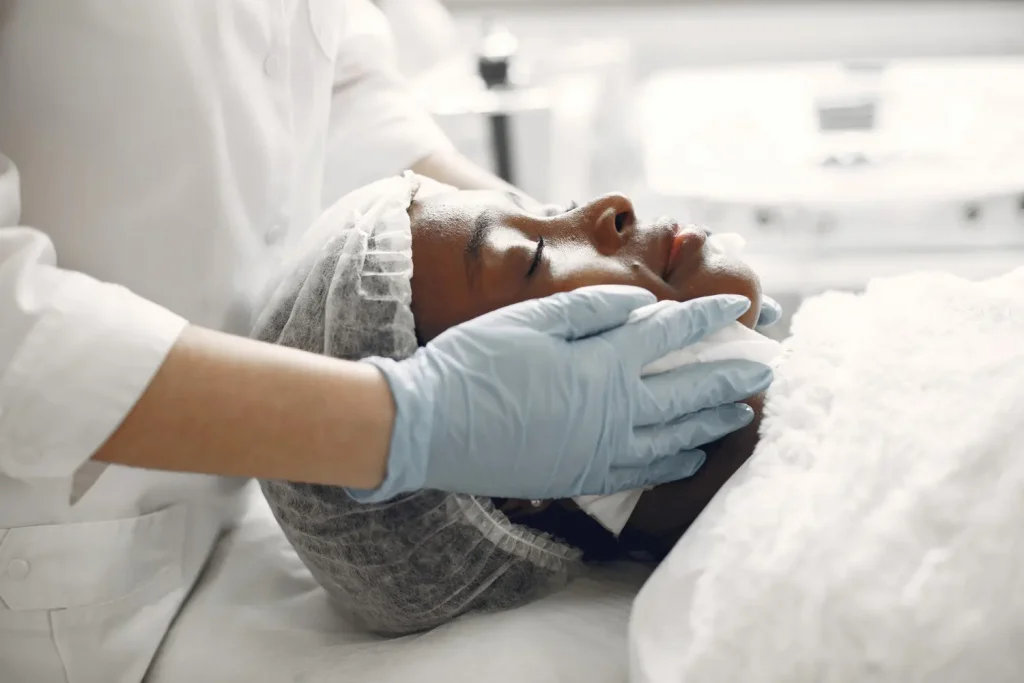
(474, 252)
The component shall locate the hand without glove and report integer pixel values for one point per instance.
(544, 399)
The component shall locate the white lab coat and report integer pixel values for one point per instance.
(174, 149)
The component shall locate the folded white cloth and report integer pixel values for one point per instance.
(875, 533)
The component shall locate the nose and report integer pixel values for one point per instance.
(613, 220)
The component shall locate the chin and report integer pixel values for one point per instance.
(749, 285)
(754, 294)
(718, 275)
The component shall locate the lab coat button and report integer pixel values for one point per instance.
(18, 569)
(273, 65)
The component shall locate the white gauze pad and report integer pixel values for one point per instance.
(734, 341)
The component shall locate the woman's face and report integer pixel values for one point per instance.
(474, 252)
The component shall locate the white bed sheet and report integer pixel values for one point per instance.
(875, 534)
(257, 615)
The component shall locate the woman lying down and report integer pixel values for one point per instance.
(397, 263)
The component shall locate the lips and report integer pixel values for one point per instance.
(685, 245)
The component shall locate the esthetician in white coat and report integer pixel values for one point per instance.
(176, 149)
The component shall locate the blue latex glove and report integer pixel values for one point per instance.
(771, 312)
(544, 399)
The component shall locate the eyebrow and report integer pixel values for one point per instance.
(482, 226)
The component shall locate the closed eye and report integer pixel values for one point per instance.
(536, 257)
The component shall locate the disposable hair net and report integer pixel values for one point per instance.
(418, 560)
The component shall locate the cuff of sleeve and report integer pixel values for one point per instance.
(410, 437)
(80, 370)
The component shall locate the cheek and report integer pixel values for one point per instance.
(441, 297)
(431, 319)
(567, 276)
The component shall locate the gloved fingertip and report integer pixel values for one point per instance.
(771, 312)
(762, 384)
(731, 306)
(762, 378)
(739, 414)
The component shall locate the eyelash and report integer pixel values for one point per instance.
(540, 244)
(536, 256)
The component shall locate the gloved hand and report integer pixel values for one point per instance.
(771, 313)
(544, 399)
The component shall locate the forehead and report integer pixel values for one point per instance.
(458, 208)
(464, 221)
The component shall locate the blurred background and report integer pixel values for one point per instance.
(843, 140)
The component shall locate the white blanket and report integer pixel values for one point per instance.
(877, 534)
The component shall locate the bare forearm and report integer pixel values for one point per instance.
(231, 406)
(454, 169)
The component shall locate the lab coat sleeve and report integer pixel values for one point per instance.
(75, 353)
(378, 126)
